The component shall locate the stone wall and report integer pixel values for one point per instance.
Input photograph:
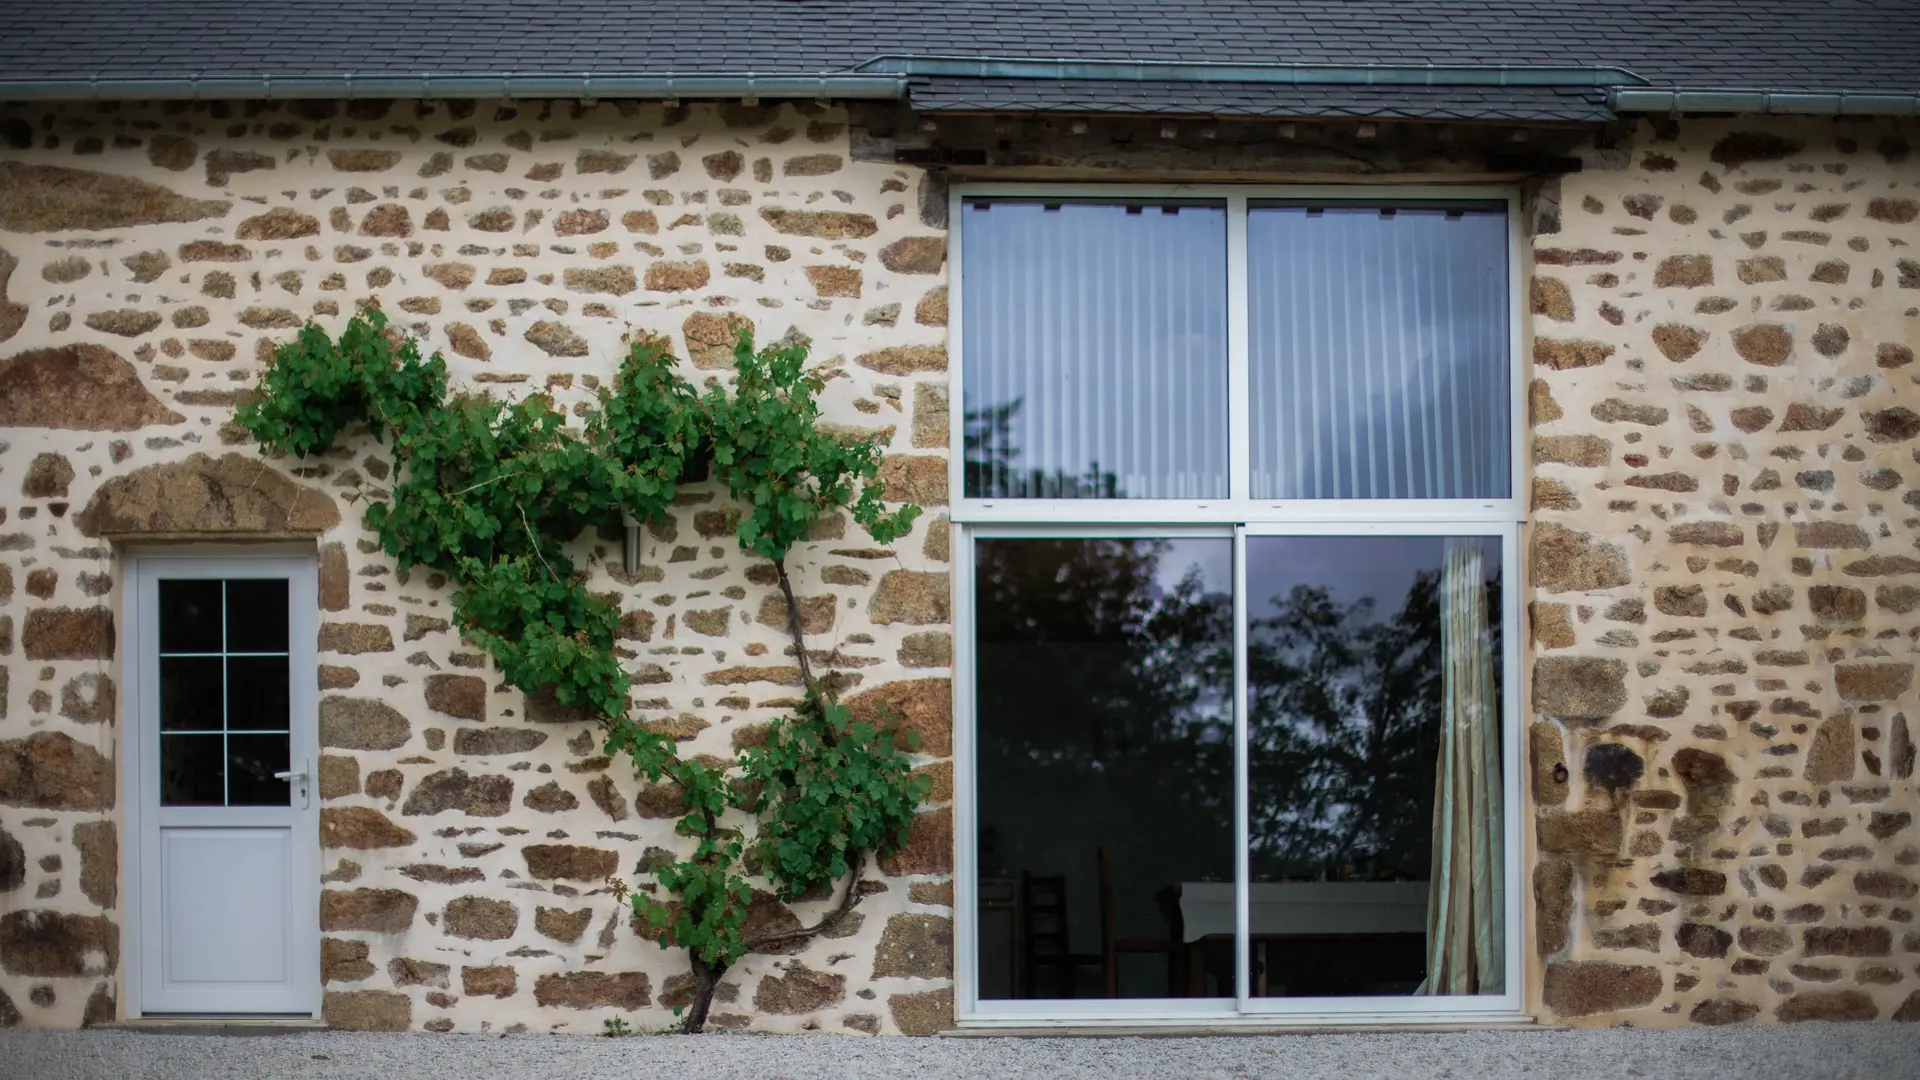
(149, 258)
(1725, 604)
(1725, 593)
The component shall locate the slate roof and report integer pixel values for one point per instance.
(1833, 45)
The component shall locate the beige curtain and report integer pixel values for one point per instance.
(1465, 950)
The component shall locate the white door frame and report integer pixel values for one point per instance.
(139, 746)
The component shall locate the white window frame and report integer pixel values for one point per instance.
(1237, 506)
(1237, 517)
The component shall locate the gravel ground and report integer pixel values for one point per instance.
(1883, 1051)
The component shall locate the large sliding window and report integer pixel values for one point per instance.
(1236, 523)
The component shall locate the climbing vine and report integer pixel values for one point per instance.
(491, 493)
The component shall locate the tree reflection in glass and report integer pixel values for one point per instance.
(1104, 718)
(1346, 685)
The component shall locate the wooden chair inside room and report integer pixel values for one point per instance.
(1044, 940)
(1046, 946)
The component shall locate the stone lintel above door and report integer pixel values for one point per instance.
(231, 497)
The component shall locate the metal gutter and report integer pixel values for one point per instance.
(521, 86)
(881, 78)
(888, 77)
(1281, 74)
(1764, 102)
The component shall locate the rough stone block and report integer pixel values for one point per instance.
(1579, 687)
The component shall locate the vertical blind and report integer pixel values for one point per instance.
(1096, 349)
(1097, 357)
(1378, 352)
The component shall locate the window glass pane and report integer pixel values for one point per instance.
(257, 693)
(190, 693)
(257, 615)
(189, 616)
(1105, 765)
(1379, 351)
(1374, 763)
(192, 770)
(251, 762)
(1096, 350)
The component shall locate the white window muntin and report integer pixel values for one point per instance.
(1239, 517)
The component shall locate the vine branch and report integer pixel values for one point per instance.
(534, 542)
(483, 483)
(849, 899)
(794, 627)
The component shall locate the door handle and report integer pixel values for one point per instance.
(297, 777)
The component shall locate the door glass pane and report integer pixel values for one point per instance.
(1105, 767)
(214, 682)
(1374, 803)
(257, 615)
(257, 693)
(251, 762)
(190, 616)
(1379, 352)
(190, 693)
(192, 770)
(1096, 349)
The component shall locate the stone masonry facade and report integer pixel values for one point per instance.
(151, 259)
(1725, 593)
(1723, 588)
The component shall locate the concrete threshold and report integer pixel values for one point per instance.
(218, 1025)
(1243, 1029)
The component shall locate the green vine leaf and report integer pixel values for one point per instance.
(773, 458)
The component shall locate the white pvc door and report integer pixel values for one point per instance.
(223, 751)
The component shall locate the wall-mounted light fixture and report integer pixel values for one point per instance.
(631, 553)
